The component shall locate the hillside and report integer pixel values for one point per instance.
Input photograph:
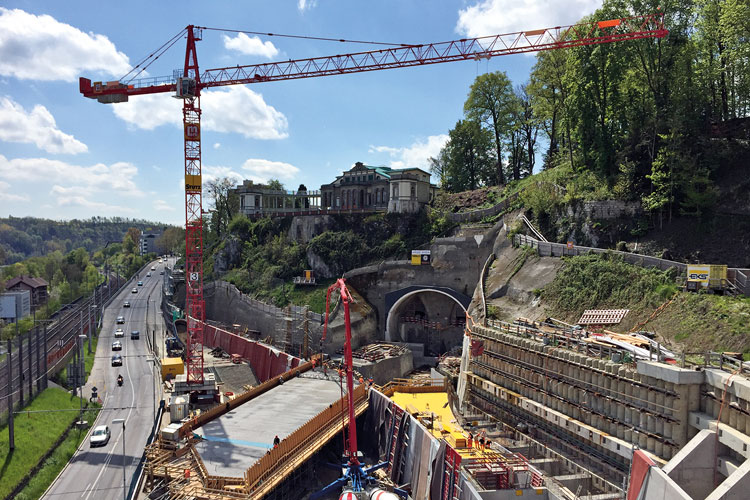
(24, 237)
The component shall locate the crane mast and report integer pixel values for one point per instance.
(189, 91)
(189, 85)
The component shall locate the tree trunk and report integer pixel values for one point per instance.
(500, 174)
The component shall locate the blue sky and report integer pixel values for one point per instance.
(63, 156)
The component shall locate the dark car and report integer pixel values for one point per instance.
(126, 303)
(135, 335)
(116, 360)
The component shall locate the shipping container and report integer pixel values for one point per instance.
(171, 367)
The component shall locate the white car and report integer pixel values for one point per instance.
(120, 320)
(153, 268)
(100, 436)
(119, 333)
(117, 345)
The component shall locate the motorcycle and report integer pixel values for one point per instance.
(119, 380)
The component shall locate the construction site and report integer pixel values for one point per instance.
(495, 410)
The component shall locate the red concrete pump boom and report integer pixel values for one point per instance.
(189, 84)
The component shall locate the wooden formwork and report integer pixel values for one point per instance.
(187, 477)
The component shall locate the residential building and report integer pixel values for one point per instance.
(148, 243)
(37, 287)
(15, 305)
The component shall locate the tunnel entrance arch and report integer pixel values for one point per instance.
(433, 316)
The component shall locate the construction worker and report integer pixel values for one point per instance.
(361, 379)
(470, 441)
(370, 382)
(481, 444)
(276, 441)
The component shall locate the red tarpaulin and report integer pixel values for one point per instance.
(638, 472)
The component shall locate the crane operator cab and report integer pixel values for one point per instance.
(185, 88)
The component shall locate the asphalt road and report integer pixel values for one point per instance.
(95, 473)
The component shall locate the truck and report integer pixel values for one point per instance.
(710, 277)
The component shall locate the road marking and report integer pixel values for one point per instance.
(130, 411)
(86, 489)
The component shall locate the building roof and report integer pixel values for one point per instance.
(28, 280)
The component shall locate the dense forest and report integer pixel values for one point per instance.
(663, 121)
(24, 237)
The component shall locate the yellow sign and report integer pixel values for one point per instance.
(698, 273)
(416, 260)
(192, 182)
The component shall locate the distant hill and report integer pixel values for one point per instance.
(24, 237)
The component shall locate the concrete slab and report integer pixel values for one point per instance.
(728, 436)
(670, 373)
(236, 440)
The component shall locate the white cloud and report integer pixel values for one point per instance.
(251, 46)
(263, 170)
(492, 17)
(76, 180)
(6, 195)
(162, 206)
(416, 155)
(217, 145)
(233, 109)
(37, 126)
(304, 5)
(214, 172)
(42, 48)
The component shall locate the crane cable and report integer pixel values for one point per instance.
(158, 53)
(307, 37)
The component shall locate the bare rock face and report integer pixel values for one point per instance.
(228, 257)
(305, 228)
(319, 266)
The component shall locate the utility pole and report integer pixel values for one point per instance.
(11, 436)
(38, 355)
(88, 321)
(44, 332)
(31, 377)
(20, 366)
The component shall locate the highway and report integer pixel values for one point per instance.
(95, 473)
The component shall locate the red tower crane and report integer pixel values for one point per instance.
(188, 85)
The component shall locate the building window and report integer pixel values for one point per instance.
(395, 190)
(370, 177)
(413, 190)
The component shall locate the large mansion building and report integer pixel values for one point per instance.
(361, 188)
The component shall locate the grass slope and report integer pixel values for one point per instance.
(692, 322)
(34, 434)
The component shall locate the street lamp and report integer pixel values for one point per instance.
(115, 422)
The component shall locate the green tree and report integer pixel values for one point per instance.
(490, 102)
(469, 159)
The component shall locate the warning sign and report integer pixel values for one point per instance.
(420, 257)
